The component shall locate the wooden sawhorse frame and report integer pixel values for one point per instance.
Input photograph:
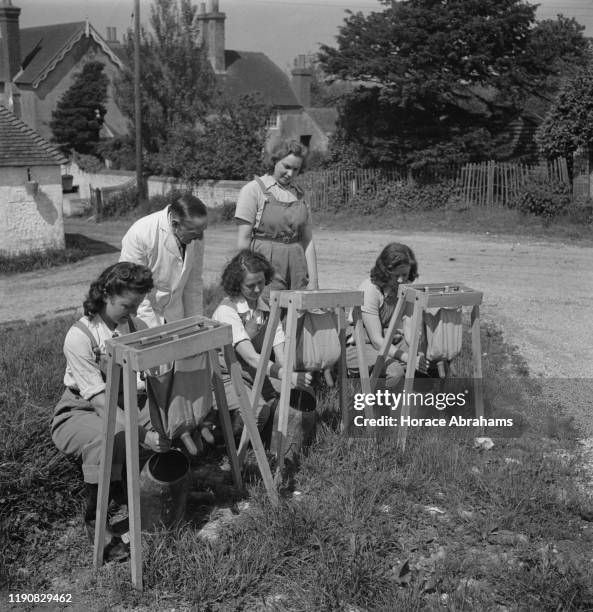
(294, 301)
(418, 299)
(150, 348)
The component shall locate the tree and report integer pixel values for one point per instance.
(437, 80)
(178, 83)
(189, 130)
(78, 117)
(568, 125)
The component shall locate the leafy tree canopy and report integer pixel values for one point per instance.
(177, 82)
(79, 114)
(189, 130)
(439, 78)
(568, 125)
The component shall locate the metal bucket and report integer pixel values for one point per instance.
(164, 482)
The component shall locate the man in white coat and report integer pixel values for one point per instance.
(171, 243)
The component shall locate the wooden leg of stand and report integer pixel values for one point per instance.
(225, 418)
(342, 369)
(477, 364)
(133, 470)
(260, 373)
(363, 368)
(402, 431)
(113, 377)
(284, 403)
(249, 421)
(394, 324)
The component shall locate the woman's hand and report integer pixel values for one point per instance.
(301, 379)
(157, 443)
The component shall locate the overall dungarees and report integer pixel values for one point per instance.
(278, 236)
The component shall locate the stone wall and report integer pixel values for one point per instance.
(30, 221)
(213, 193)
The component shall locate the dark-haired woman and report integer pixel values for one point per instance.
(395, 265)
(77, 423)
(243, 280)
(171, 243)
(273, 219)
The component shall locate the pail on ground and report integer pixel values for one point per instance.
(164, 482)
(302, 422)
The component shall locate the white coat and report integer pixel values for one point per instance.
(178, 285)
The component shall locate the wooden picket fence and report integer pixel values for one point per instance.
(479, 184)
(496, 184)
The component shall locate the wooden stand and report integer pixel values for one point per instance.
(151, 348)
(294, 301)
(418, 299)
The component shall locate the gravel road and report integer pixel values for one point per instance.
(538, 293)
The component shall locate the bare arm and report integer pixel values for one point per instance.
(252, 357)
(152, 439)
(244, 232)
(374, 329)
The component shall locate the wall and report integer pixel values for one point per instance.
(295, 123)
(30, 222)
(86, 180)
(212, 193)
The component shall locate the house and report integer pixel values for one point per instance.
(241, 72)
(38, 65)
(30, 189)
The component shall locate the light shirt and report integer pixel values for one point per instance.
(82, 370)
(233, 311)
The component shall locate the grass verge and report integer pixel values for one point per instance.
(77, 247)
(494, 221)
(443, 526)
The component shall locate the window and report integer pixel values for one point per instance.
(273, 121)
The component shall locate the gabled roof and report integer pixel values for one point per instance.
(22, 146)
(248, 71)
(43, 47)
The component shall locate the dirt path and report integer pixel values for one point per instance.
(540, 294)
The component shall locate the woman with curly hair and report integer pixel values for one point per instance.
(274, 219)
(77, 424)
(395, 265)
(243, 280)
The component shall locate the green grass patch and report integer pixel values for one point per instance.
(77, 247)
(441, 526)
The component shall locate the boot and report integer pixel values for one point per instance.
(115, 549)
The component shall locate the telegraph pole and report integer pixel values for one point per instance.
(137, 101)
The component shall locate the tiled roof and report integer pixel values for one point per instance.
(22, 146)
(43, 46)
(248, 71)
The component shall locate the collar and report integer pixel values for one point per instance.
(242, 306)
(269, 181)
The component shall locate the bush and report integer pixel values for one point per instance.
(402, 196)
(542, 197)
(120, 203)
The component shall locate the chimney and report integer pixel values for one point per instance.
(112, 35)
(212, 34)
(10, 41)
(302, 77)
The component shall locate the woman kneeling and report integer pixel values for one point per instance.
(77, 425)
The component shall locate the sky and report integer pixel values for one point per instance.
(282, 29)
